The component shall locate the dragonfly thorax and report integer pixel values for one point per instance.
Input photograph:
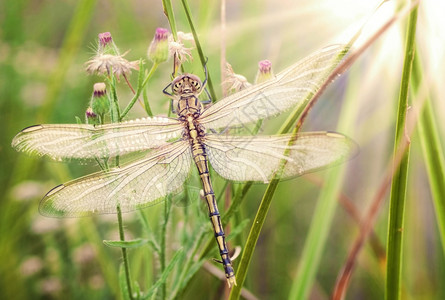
(186, 89)
(188, 106)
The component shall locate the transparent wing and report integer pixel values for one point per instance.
(274, 96)
(142, 183)
(73, 141)
(257, 158)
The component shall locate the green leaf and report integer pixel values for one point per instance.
(136, 243)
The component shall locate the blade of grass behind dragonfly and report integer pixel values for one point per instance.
(399, 181)
(164, 276)
(198, 47)
(432, 152)
(168, 12)
(304, 280)
(326, 204)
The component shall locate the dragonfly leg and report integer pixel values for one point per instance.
(209, 99)
(167, 93)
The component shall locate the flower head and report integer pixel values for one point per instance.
(108, 59)
(234, 82)
(158, 49)
(264, 71)
(106, 63)
(178, 50)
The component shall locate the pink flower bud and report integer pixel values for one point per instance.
(105, 39)
(264, 71)
(158, 50)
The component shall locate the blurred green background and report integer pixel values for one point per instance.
(43, 49)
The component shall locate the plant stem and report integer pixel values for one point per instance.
(198, 47)
(139, 91)
(124, 250)
(162, 256)
(114, 110)
(399, 182)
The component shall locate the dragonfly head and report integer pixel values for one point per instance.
(186, 84)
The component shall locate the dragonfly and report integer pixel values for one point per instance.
(173, 145)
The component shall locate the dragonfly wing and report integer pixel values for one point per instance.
(82, 141)
(257, 158)
(142, 183)
(288, 88)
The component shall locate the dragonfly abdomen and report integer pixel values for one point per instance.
(200, 159)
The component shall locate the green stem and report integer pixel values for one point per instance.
(168, 11)
(399, 182)
(253, 238)
(147, 104)
(115, 110)
(162, 253)
(198, 47)
(139, 91)
(124, 250)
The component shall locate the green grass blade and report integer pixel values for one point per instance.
(252, 239)
(163, 279)
(168, 12)
(399, 182)
(325, 209)
(433, 153)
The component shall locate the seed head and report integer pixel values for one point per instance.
(264, 71)
(178, 50)
(158, 49)
(234, 82)
(103, 64)
(108, 59)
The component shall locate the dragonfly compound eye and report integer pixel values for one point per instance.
(195, 82)
(177, 86)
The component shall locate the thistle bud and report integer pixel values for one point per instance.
(91, 116)
(106, 44)
(105, 38)
(100, 103)
(264, 71)
(158, 50)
